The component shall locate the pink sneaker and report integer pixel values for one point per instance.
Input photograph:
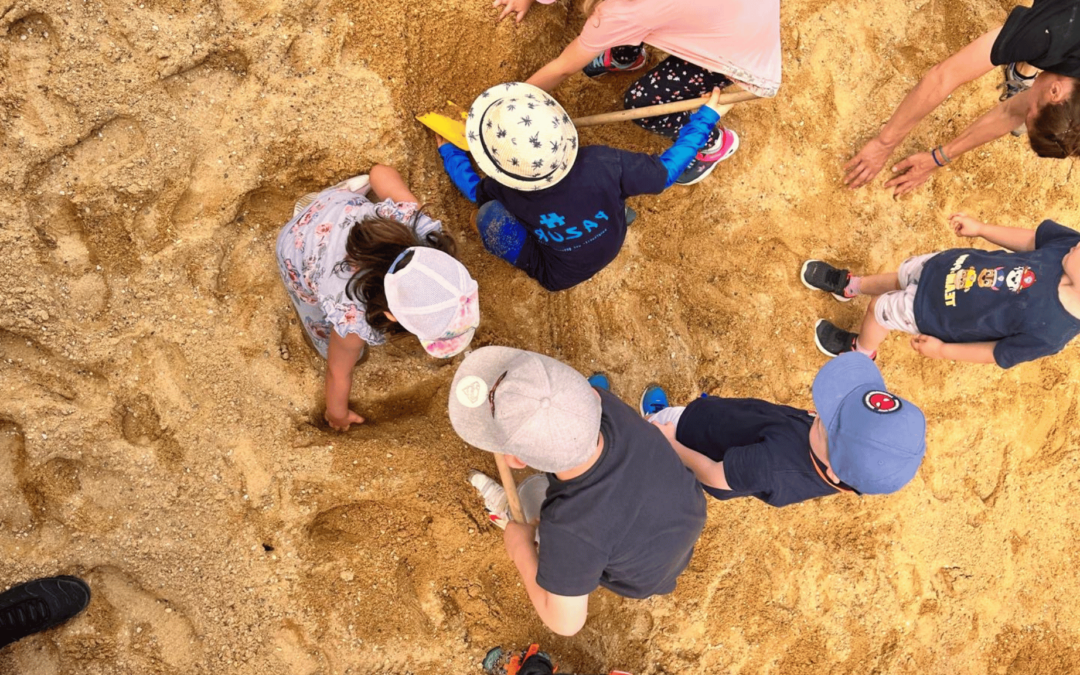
(707, 159)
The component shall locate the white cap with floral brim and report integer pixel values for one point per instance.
(433, 296)
(521, 137)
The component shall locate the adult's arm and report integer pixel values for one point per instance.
(563, 615)
(388, 184)
(342, 355)
(1002, 119)
(573, 59)
(964, 66)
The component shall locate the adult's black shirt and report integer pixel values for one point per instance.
(1046, 35)
(765, 448)
(577, 226)
(629, 523)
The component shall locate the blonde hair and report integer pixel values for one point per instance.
(589, 6)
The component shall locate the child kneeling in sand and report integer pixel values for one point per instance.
(967, 304)
(621, 511)
(360, 272)
(553, 210)
(863, 438)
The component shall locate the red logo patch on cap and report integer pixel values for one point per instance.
(881, 402)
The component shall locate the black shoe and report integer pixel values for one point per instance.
(833, 341)
(39, 605)
(607, 63)
(821, 276)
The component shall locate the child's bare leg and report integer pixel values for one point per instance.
(874, 284)
(872, 333)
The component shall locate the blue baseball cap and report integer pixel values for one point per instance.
(876, 439)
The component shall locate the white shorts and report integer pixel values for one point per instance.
(895, 310)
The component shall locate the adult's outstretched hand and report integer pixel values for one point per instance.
(868, 163)
(521, 7)
(911, 173)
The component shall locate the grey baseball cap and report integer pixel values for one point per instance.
(528, 405)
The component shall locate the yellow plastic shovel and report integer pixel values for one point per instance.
(449, 128)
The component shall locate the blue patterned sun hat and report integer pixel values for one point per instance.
(520, 136)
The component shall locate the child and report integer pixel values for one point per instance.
(621, 511)
(547, 207)
(711, 43)
(863, 439)
(1003, 307)
(360, 272)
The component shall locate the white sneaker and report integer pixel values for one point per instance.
(494, 496)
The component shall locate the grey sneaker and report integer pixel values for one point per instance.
(1014, 83)
(833, 341)
(818, 275)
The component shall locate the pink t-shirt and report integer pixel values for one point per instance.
(739, 38)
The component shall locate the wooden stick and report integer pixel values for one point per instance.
(662, 109)
(510, 486)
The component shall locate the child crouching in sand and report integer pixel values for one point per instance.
(361, 272)
(967, 304)
(551, 209)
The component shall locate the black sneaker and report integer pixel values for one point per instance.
(707, 159)
(39, 605)
(818, 275)
(833, 341)
(606, 63)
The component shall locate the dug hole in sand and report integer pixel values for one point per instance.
(160, 413)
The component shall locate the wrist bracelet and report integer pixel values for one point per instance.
(944, 157)
(933, 153)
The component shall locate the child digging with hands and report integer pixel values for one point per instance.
(1003, 307)
(361, 272)
(551, 209)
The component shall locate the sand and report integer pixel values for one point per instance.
(160, 413)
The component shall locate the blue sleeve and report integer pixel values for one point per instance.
(456, 163)
(692, 137)
(1050, 233)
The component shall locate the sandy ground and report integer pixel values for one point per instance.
(160, 414)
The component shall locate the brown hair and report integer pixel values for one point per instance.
(1055, 131)
(372, 247)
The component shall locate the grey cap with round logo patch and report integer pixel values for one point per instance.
(542, 411)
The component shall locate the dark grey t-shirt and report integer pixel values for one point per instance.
(630, 523)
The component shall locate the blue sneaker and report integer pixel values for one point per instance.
(600, 381)
(653, 400)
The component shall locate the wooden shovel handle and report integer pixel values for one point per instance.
(662, 109)
(507, 478)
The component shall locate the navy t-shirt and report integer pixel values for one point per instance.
(577, 226)
(765, 449)
(630, 523)
(971, 295)
(1046, 35)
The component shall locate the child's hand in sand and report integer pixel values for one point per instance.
(342, 422)
(911, 173)
(440, 141)
(964, 225)
(930, 347)
(519, 6)
(720, 110)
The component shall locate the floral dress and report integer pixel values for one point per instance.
(309, 250)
